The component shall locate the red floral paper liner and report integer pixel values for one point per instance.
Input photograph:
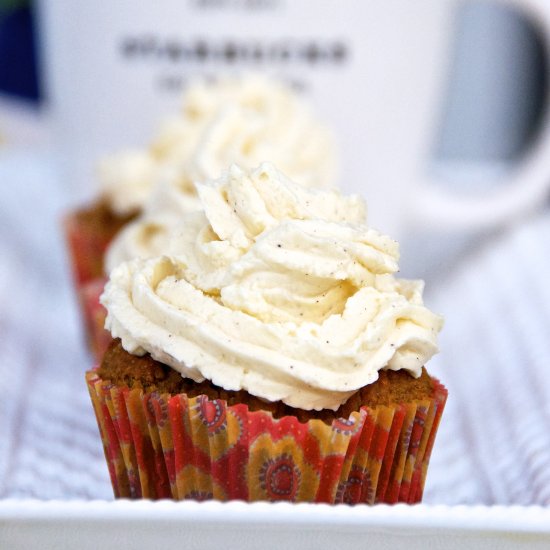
(161, 446)
(86, 248)
(94, 315)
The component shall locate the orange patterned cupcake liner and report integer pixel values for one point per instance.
(179, 447)
(86, 248)
(94, 314)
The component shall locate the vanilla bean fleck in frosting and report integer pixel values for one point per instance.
(275, 289)
(244, 120)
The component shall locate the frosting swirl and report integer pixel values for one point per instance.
(275, 289)
(244, 120)
(125, 179)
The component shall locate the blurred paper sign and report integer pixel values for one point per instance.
(375, 71)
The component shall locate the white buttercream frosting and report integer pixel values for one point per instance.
(126, 180)
(246, 120)
(148, 235)
(275, 289)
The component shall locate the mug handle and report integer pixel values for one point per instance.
(524, 187)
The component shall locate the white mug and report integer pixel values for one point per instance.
(375, 69)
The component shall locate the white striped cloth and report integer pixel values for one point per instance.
(493, 446)
(49, 445)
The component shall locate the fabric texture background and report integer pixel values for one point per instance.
(493, 445)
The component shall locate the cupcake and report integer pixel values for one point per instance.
(269, 354)
(245, 120)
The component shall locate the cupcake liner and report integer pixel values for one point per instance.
(86, 248)
(179, 447)
(94, 315)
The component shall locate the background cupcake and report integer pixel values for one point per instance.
(301, 355)
(245, 120)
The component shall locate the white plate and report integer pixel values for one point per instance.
(145, 524)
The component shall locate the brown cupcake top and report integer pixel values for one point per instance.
(124, 369)
(100, 217)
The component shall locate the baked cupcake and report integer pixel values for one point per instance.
(270, 354)
(244, 120)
